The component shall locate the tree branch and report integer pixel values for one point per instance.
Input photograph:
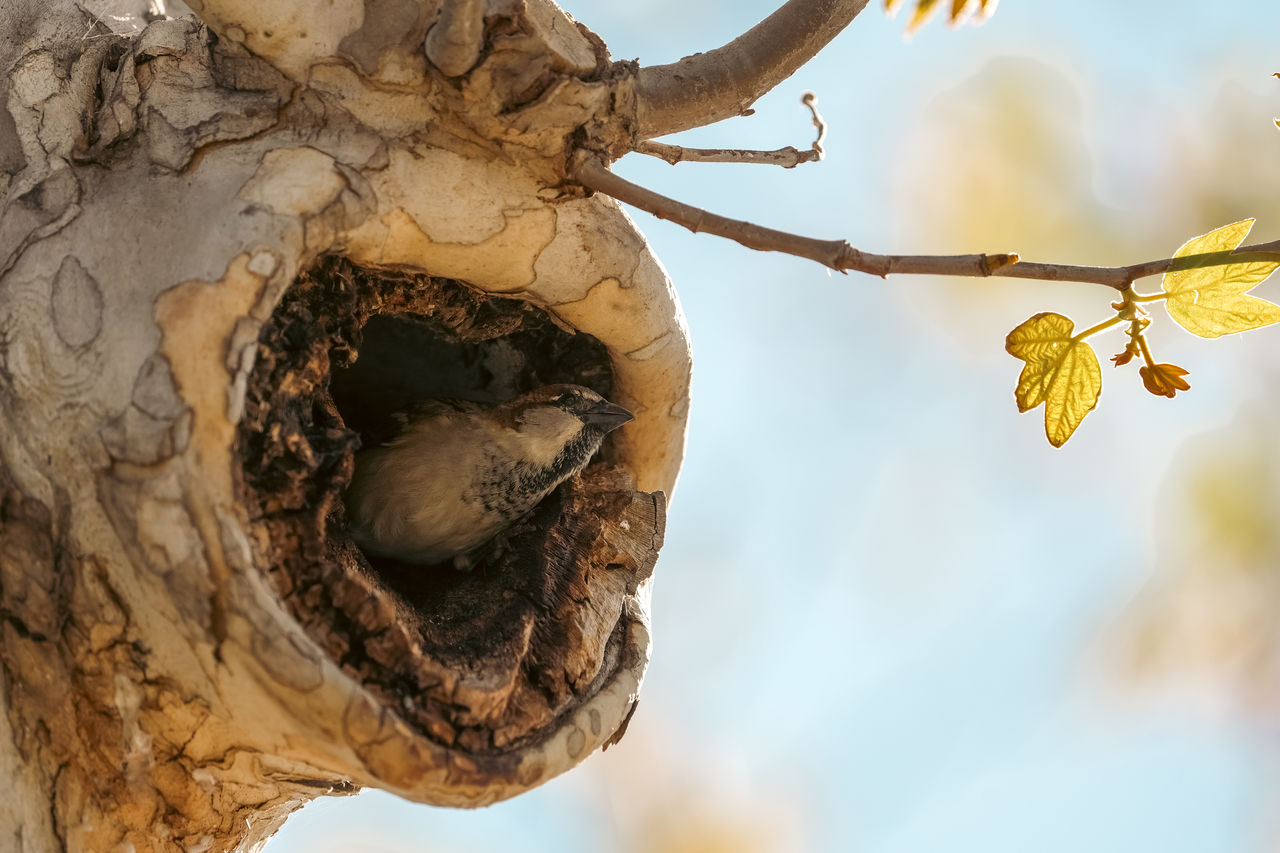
(840, 256)
(787, 158)
(707, 87)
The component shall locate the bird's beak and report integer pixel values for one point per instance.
(607, 416)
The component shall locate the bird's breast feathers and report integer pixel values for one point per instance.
(459, 473)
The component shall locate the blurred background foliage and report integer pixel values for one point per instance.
(1213, 611)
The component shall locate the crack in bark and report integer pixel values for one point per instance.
(322, 786)
(55, 823)
(21, 627)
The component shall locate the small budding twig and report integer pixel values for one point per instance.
(787, 158)
(810, 100)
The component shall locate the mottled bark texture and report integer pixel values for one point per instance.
(230, 245)
(220, 268)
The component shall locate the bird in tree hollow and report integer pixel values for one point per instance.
(459, 473)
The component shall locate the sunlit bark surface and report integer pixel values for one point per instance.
(205, 225)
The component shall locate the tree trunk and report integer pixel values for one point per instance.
(200, 236)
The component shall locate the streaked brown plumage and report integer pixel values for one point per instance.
(459, 473)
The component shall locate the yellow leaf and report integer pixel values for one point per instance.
(1211, 301)
(958, 8)
(986, 8)
(891, 6)
(1060, 372)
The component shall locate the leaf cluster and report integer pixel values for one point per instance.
(961, 10)
(1202, 290)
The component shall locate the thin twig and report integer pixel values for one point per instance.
(1121, 277)
(707, 87)
(810, 100)
(787, 158)
(839, 255)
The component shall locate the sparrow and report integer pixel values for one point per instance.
(458, 473)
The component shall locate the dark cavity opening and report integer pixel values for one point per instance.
(479, 660)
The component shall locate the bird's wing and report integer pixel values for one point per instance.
(431, 408)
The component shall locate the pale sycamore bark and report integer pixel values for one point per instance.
(185, 656)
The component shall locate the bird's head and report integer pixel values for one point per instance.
(554, 416)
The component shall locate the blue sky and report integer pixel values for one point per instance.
(884, 614)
